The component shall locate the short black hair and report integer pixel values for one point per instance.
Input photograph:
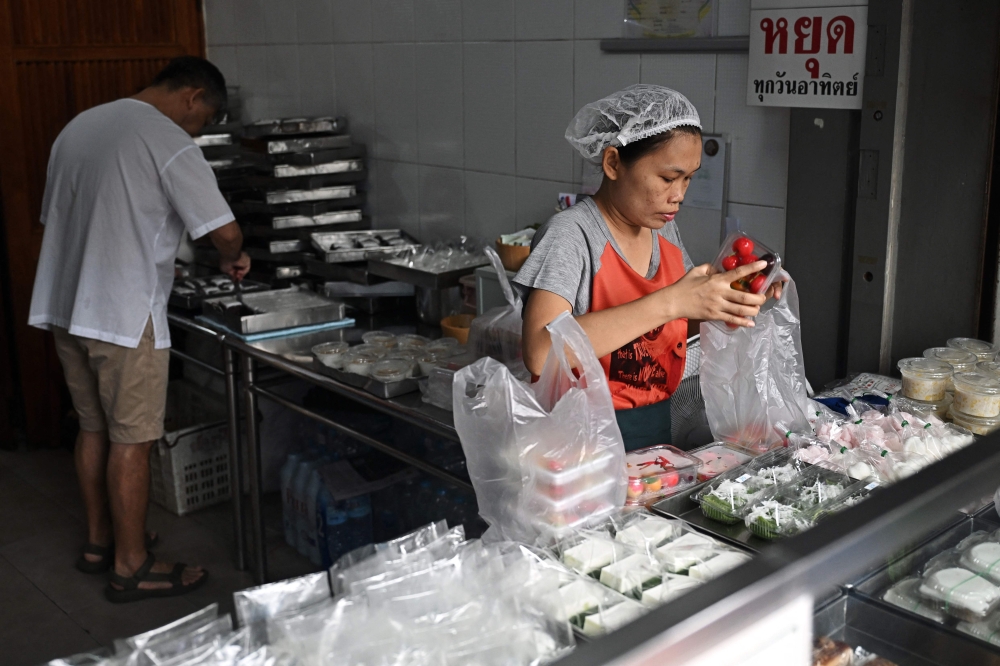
(632, 152)
(195, 72)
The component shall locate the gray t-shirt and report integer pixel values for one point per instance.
(566, 255)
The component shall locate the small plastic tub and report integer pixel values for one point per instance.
(380, 339)
(360, 363)
(986, 351)
(331, 354)
(408, 356)
(925, 378)
(369, 349)
(938, 408)
(411, 341)
(977, 425)
(390, 370)
(977, 394)
(989, 368)
(558, 479)
(658, 471)
(426, 361)
(959, 359)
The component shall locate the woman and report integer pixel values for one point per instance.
(616, 261)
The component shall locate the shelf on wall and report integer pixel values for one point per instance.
(678, 45)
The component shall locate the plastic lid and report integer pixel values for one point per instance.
(336, 347)
(977, 347)
(391, 369)
(961, 417)
(411, 340)
(383, 338)
(361, 357)
(974, 382)
(443, 342)
(926, 367)
(909, 404)
(959, 359)
(368, 348)
(991, 368)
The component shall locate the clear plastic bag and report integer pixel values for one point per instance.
(754, 378)
(256, 605)
(497, 332)
(172, 645)
(184, 625)
(515, 437)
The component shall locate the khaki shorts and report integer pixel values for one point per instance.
(116, 389)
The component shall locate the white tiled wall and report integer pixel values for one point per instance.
(463, 103)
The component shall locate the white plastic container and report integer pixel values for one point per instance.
(924, 378)
(287, 498)
(959, 359)
(977, 425)
(331, 354)
(360, 363)
(977, 395)
(986, 351)
(408, 356)
(391, 370)
(426, 361)
(380, 338)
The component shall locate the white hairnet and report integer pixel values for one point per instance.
(627, 116)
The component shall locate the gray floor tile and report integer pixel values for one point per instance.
(25, 512)
(47, 561)
(106, 621)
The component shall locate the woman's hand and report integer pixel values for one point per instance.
(702, 295)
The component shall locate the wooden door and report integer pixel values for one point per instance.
(58, 58)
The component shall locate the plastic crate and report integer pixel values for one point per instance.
(189, 466)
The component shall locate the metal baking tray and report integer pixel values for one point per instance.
(309, 208)
(378, 389)
(350, 249)
(270, 183)
(356, 151)
(907, 640)
(301, 196)
(204, 140)
(444, 280)
(272, 310)
(277, 146)
(180, 298)
(320, 220)
(356, 272)
(338, 166)
(279, 126)
(302, 233)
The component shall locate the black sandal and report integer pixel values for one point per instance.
(107, 555)
(132, 592)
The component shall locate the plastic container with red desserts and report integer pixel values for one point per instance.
(558, 479)
(717, 458)
(740, 249)
(587, 505)
(658, 471)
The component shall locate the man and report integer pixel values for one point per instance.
(125, 182)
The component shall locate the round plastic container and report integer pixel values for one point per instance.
(442, 344)
(380, 339)
(360, 363)
(369, 349)
(975, 424)
(960, 360)
(986, 351)
(408, 356)
(924, 378)
(938, 408)
(977, 394)
(390, 370)
(988, 368)
(427, 361)
(411, 341)
(331, 354)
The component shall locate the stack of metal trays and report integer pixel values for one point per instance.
(272, 310)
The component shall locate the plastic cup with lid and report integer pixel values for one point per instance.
(411, 341)
(391, 370)
(986, 351)
(960, 360)
(360, 363)
(977, 425)
(331, 354)
(977, 394)
(924, 378)
(366, 348)
(380, 338)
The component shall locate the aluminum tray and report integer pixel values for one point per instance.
(338, 166)
(270, 183)
(280, 126)
(297, 196)
(356, 151)
(325, 241)
(213, 140)
(309, 208)
(274, 146)
(444, 280)
(378, 389)
(272, 310)
(193, 301)
(356, 272)
(904, 639)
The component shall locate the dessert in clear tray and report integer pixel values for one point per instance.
(716, 459)
(924, 378)
(726, 498)
(739, 249)
(391, 370)
(658, 471)
(360, 363)
(905, 594)
(977, 394)
(965, 595)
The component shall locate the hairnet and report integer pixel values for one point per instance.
(627, 116)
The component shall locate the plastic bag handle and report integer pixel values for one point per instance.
(508, 291)
(566, 332)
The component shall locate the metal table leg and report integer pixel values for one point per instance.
(253, 458)
(235, 456)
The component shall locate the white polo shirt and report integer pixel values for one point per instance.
(124, 182)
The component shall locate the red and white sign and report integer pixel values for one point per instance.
(807, 57)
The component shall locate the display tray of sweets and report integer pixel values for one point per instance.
(659, 471)
(726, 499)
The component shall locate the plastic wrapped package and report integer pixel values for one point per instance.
(224, 650)
(739, 249)
(169, 645)
(644, 531)
(690, 550)
(608, 619)
(511, 433)
(184, 625)
(716, 459)
(497, 332)
(589, 552)
(727, 497)
(754, 378)
(299, 633)
(658, 471)
(256, 605)
(987, 630)
(906, 594)
(671, 586)
(963, 594)
(796, 506)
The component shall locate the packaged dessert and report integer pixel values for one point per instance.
(427, 361)
(411, 341)
(615, 617)
(366, 348)
(360, 363)
(987, 630)
(444, 345)
(581, 598)
(646, 532)
(658, 471)
(959, 359)
(587, 553)
(964, 594)
(558, 477)
(983, 558)
(689, 550)
(380, 339)
(409, 356)
(924, 378)
(739, 249)
(905, 594)
(986, 351)
(631, 575)
(938, 408)
(714, 567)
(331, 354)
(726, 498)
(977, 394)
(974, 424)
(671, 586)
(390, 370)
(577, 509)
(794, 507)
(989, 368)
(717, 459)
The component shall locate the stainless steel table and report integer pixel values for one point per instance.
(291, 358)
